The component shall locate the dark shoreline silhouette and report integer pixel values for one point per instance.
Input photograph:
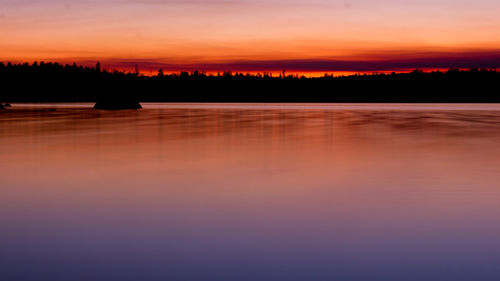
(53, 82)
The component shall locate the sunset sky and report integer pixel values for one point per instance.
(258, 35)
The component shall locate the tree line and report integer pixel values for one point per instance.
(54, 82)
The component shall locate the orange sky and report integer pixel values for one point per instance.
(324, 35)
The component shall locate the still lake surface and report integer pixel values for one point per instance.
(236, 192)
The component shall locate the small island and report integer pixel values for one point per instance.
(117, 105)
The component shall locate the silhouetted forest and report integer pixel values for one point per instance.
(53, 82)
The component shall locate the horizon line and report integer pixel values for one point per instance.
(282, 73)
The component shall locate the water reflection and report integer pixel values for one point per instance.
(250, 192)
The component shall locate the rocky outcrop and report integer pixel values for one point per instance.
(117, 105)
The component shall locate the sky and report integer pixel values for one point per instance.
(256, 36)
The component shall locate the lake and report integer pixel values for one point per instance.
(242, 192)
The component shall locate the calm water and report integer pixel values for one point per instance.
(250, 192)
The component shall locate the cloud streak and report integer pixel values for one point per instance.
(480, 59)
